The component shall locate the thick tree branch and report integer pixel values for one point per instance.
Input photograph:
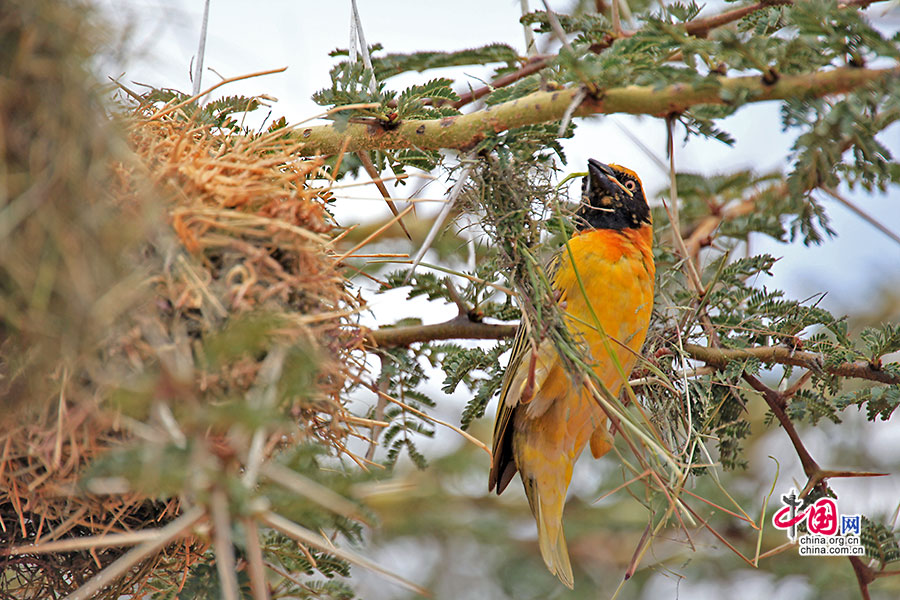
(719, 357)
(864, 576)
(777, 404)
(457, 328)
(465, 131)
(702, 27)
(461, 327)
(698, 27)
(702, 233)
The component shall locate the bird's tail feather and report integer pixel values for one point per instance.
(550, 535)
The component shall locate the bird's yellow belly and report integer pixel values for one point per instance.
(620, 293)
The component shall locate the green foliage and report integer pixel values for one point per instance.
(420, 284)
(765, 22)
(527, 143)
(506, 311)
(880, 401)
(201, 582)
(523, 87)
(425, 160)
(807, 405)
(401, 375)
(592, 28)
(881, 340)
(879, 542)
(700, 122)
(460, 364)
(390, 65)
(351, 84)
(410, 102)
(718, 408)
(833, 128)
(219, 112)
(683, 12)
(284, 552)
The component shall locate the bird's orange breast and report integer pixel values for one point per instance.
(617, 272)
(616, 269)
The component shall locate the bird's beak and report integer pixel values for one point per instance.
(603, 181)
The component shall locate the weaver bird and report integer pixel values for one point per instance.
(545, 418)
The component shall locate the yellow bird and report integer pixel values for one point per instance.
(544, 418)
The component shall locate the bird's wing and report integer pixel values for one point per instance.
(515, 380)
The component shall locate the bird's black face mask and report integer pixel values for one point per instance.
(612, 197)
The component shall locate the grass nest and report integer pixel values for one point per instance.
(166, 282)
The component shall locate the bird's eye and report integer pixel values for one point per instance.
(630, 185)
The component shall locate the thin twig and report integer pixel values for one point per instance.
(702, 233)
(311, 490)
(163, 538)
(255, 562)
(225, 564)
(693, 275)
(777, 405)
(374, 234)
(60, 417)
(364, 48)
(533, 65)
(455, 191)
(861, 213)
(201, 49)
(558, 31)
(567, 116)
(166, 111)
(719, 536)
(719, 357)
(83, 543)
(461, 306)
(530, 48)
(380, 405)
(428, 417)
(455, 329)
(305, 536)
(382, 189)
(864, 575)
(616, 19)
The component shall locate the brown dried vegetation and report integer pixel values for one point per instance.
(127, 271)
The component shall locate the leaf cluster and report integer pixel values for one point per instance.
(879, 542)
(392, 64)
(745, 313)
(831, 128)
(461, 365)
(219, 112)
(324, 581)
(402, 375)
